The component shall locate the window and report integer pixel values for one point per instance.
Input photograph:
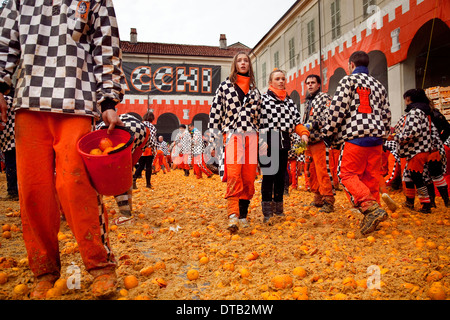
(366, 5)
(335, 19)
(276, 60)
(311, 37)
(264, 74)
(291, 53)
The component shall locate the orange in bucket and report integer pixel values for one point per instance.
(105, 143)
(111, 174)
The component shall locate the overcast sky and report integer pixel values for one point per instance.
(199, 22)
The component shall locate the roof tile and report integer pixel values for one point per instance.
(181, 49)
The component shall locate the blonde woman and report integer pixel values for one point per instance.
(234, 120)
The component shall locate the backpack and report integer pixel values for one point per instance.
(441, 124)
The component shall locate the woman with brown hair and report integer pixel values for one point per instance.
(279, 118)
(234, 120)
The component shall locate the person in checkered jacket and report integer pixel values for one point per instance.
(148, 155)
(419, 142)
(233, 124)
(359, 118)
(142, 140)
(279, 119)
(198, 162)
(294, 161)
(183, 142)
(317, 104)
(8, 147)
(162, 150)
(68, 61)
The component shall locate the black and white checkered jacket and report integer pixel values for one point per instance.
(7, 138)
(136, 127)
(163, 147)
(228, 114)
(359, 108)
(183, 141)
(416, 133)
(392, 147)
(151, 143)
(317, 113)
(295, 138)
(197, 142)
(67, 54)
(278, 115)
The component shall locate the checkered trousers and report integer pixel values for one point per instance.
(415, 133)
(66, 52)
(136, 127)
(228, 114)
(318, 113)
(7, 139)
(359, 108)
(278, 115)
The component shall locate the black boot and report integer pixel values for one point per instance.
(426, 208)
(186, 172)
(443, 191)
(243, 208)
(409, 203)
(278, 209)
(267, 210)
(431, 194)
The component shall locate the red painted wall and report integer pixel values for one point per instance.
(409, 23)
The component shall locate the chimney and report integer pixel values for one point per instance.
(133, 36)
(223, 42)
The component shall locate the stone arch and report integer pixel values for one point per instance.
(338, 74)
(438, 69)
(378, 67)
(295, 96)
(200, 121)
(166, 124)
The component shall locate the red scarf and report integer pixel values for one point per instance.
(243, 82)
(280, 93)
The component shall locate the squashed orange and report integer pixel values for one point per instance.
(105, 143)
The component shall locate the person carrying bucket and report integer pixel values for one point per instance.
(143, 138)
(62, 87)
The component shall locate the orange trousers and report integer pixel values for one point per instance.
(199, 165)
(241, 164)
(293, 173)
(360, 173)
(319, 179)
(160, 160)
(184, 162)
(306, 166)
(52, 176)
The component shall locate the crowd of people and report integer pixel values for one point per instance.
(66, 83)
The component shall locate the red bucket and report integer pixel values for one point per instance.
(110, 174)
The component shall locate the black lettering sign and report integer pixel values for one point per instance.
(171, 79)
